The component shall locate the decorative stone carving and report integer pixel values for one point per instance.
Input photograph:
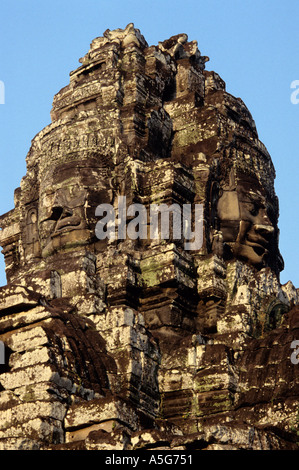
(130, 342)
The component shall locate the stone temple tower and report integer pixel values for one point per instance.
(135, 342)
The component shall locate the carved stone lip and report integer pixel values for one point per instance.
(261, 247)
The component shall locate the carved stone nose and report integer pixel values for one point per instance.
(265, 231)
(56, 213)
(59, 212)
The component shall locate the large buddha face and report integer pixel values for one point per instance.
(247, 222)
(68, 199)
(62, 218)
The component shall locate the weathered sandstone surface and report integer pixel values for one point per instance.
(139, 343)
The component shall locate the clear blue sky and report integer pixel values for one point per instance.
(252, 44)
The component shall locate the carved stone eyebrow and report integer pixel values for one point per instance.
(252, 197)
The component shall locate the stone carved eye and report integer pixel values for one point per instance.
(254, 209)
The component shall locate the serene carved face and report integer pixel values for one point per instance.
(245, 222)
(68, 198)
(62, 217)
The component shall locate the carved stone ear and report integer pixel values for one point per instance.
(232, 180)
(217, 243)
(228, 206)
(213, 201)
(31, 241)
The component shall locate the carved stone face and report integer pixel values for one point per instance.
(246, 222)
(62, 217)
(67, 203)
